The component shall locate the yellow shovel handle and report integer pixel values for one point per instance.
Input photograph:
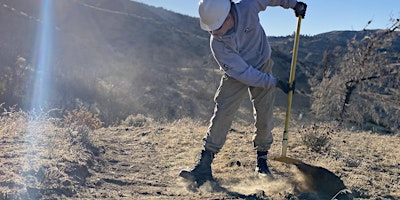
(290, 94)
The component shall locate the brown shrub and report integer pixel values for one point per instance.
(317, 137)
(82, 117)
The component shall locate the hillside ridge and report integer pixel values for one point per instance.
(123, 57)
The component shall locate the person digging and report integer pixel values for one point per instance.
(241, 49)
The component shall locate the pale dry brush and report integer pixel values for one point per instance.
(360, 85)
(317, 137)
(82, 117)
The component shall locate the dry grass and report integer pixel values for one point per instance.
(42, 160)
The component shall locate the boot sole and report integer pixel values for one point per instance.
(197, 179)
(187, 175)
(263, 174)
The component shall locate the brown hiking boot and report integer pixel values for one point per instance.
(202, 171)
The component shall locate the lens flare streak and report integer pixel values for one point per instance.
(43, 54)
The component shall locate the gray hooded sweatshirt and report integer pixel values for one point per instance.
(244, 49)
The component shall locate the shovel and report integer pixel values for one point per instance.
(283, 157)
(318, 180)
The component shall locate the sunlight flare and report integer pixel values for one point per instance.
(42, 57)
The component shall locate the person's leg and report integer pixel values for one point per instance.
(227, 100)
(263, 101)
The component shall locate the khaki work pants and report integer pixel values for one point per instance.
(227, 100)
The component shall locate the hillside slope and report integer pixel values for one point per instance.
(121, 57)
(113, 53)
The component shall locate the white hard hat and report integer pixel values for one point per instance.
(213, 13)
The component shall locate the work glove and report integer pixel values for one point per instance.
(300, 9)
(285, 86)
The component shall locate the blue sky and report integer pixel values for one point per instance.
(322, 15)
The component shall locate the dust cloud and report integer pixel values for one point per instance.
(266, 185)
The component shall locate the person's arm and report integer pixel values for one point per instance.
(234, 66)
(298, 6)
(282, 3)
(260, 5)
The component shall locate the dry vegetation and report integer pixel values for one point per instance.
(45, 158)
(359, 83)
(72, 155)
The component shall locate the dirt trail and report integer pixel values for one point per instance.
(130, 166)
(144, 163)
